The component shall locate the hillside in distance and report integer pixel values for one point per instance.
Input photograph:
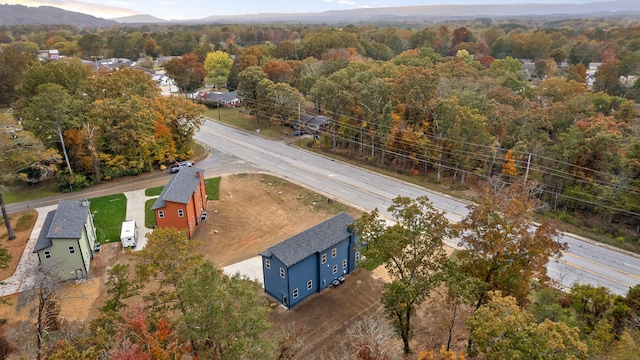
(47, 15)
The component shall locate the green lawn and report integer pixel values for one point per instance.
(149, 216)
(248, 122)
(213, 188)
(154, 191)
(109, 213)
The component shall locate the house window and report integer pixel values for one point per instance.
(309, 284)
(334, 252)
(282, 273)
(335, 269)
(324, 258)
(295, 293)
(357, 255)
(47, 254)
(267, 263)
(180, 213)
(161, 214)
(344, 263)
(72, 249)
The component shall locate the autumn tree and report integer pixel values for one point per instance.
(500, 244)
(139, 337)
(369, 337)
(224, 316)
(187, 72)
(25, 159)
(500, 329)
(413, 253)
(218, 66)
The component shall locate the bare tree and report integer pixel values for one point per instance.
(369, 337)
(6, 220)
(43, 302)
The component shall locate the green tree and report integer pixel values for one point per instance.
(218, 66)
(50, 113)
(413, 254)
(248, 87)
(25, 159)
(169, 253)
(120, 287)
(13, 64)
(225, 316)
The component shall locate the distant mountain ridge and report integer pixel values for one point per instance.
(48, 15)
(44, 15)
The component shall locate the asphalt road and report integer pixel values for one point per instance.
(235, 151)
(585, 261)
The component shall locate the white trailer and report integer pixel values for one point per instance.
(129, 233)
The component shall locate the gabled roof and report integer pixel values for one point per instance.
(43, 241)
(67, 222)
(311, 241)
(180, 187)
(309, 119)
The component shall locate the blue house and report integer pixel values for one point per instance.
(310, 261)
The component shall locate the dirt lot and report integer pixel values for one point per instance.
(253, 213)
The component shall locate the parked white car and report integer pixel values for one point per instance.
(175, 168)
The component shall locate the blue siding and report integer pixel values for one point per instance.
(299, 275)
(274, 284)
(308, 269)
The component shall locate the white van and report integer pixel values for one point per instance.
(129, 233)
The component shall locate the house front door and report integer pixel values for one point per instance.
(284, 299)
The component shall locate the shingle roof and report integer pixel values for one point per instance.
(311, 241)
(223, 96)
(180, 187)
(44, 241)
(68, 222)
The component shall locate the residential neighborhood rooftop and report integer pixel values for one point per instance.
(313, 240)
(180, 187)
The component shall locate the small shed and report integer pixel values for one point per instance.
(129, 233)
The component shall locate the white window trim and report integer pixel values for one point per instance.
(180, 213)
(335, 269)
(295, 293)
(267, 263)
(71, 249)
(344, 263)
(323, 258)
(309, 284)
(282, 273)
(47, 254)
(161, 214)
(334, 252)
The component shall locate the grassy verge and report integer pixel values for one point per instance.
(149, 216)
(109, 213)
(16, 194)
(213, 188)
(153, 191)
(235, 118)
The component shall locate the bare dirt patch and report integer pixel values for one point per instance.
(22, 224)
(255, 212)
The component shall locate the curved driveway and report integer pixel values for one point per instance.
(584, 261)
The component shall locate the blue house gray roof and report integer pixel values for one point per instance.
(67, 222)
(180, 187)
(311, 241)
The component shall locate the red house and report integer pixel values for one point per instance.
(182, 202)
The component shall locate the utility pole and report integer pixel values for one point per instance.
(6, 220)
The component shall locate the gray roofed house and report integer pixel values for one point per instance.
(227, 99)
(182, 202)
(68, 235)
(310, 261)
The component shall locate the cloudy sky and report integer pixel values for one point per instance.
(197, 9)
